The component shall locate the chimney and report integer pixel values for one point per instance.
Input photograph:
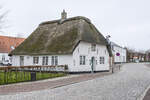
(63, 15)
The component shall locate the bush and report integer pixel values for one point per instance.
(20, 76)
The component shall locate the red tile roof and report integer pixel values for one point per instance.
(7, 42)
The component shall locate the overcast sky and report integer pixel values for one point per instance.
(127, 21)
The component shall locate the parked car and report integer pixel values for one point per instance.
(7, 63)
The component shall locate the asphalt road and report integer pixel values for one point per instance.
(128, 84)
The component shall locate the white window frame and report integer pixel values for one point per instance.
(45, 60)
(3, 57)
(102, 60)
(82, 60)
(93, 47)
(54, 60)
(35, 60)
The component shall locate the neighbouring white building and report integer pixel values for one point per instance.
(7, 44)
(69, 41)
(119, 53)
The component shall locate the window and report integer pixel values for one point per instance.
(82, 60)
(35, 60)
(102, 60)
(21, 60)
(28, 57)
(10, 59)
(45, 60)
(54, 60)
(3, 57)
(93, 47)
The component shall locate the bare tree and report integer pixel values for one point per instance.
(2, 18)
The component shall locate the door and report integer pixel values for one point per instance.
(93, 64)
(21, 60)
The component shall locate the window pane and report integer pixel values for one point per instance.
(52, 60)
(100, 60)
(93, 47)
(43, 61)
(80, 60)
(35, 60)
(83, 60)
(56, 60)
(46, 60)
(103, 60)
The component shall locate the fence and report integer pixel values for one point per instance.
(13, 74)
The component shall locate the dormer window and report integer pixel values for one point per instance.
(93, 47)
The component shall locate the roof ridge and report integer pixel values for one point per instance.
(68, 19)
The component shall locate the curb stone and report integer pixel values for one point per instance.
(141, 97)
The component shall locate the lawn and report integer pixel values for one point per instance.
(15, 77)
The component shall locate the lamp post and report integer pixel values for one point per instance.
(107, 38)
(109, 43)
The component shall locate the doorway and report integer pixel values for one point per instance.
(21, 60)
(93, 64)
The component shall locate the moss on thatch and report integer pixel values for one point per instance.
(64, 42)
(33, 44)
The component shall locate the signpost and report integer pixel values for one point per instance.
(118, 54)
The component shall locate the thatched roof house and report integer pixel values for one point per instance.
(70, 39)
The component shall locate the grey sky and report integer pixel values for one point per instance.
(127, 21)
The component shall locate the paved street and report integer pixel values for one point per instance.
(48, 83)
(128, 84)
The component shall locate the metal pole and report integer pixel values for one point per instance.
(112, 69)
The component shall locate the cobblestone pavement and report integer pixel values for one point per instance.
(128, 84)
(147, 93)
(48, 84)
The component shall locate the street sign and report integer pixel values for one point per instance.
(117, 54)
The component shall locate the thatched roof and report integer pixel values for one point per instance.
(60, 37)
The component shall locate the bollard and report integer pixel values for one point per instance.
(119, 67)
(112, 69)
(33, 76)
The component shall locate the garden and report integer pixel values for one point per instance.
(9, 75)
